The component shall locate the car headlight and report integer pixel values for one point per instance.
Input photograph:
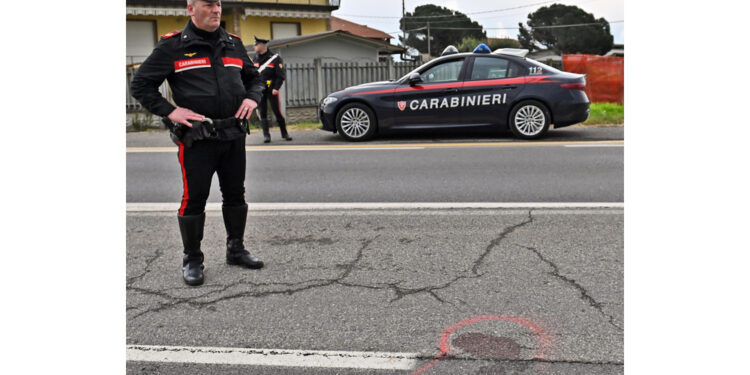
(329, 100)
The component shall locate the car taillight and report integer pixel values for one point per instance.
(574, 86)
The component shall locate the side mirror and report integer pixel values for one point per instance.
(414, 78)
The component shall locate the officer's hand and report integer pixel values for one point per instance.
(183, 116)
(246, 109)
(275, 92)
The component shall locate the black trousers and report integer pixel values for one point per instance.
(199, 163)
(275, 107)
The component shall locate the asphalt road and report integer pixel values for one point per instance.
(459, 291)
(487, 172)
(390, 281)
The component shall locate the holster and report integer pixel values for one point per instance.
(206, 129)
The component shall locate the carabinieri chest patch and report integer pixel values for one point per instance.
(183, 65)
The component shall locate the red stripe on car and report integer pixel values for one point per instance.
(487, 82)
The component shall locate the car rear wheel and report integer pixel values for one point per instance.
(356, 122)
(529, 120)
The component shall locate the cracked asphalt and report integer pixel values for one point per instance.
(390, 281)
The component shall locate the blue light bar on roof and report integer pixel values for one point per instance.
(482, 48)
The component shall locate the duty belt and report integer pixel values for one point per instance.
(204, 129)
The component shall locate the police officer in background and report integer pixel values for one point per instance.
(273, 76)
(216, 87)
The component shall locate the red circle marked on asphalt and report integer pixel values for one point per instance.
(541, 353)
(482, 345)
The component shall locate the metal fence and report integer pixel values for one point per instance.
(130, 103)
(307, 84)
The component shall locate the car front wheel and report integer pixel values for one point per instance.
(356, 122)
(529, 120)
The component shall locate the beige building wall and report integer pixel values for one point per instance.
(164, 24)
(260, 26)
(302, 2)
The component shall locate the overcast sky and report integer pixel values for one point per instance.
(372, 13)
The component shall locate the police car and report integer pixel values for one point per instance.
(478, 89)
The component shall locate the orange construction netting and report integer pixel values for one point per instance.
(605, 76)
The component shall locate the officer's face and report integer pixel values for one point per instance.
(260, 48)
(206, 15)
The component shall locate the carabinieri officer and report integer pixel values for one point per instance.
(273, 75)
(211, 77)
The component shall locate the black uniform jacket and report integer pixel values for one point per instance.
(208, 77)
(274, 72)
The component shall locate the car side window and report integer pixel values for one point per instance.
(515, 70)
(494, 68)
(445, 72)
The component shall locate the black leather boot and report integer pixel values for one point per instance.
(266, 133)
(282, 126)
(191, 229)
(234, 221)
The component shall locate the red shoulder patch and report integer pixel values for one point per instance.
(171, 34)
(234, 35)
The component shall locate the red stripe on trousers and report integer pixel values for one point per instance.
(185, 195)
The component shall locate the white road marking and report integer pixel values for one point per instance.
(268, 149)
(410, 146)
(162, 207)
(150, 150)
(598, 145)
(273, 357)
(337, 149)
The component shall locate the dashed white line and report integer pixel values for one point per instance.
(272, 357)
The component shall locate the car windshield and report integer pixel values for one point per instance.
(544, 66)
(408, 74)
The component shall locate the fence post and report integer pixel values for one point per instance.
(283, 97)
(319, 79)
(391, 71)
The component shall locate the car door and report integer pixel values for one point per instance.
(490, 87)
(434, 101)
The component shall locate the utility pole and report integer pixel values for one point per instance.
(429, 54)
(403, 17)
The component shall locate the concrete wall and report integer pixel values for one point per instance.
(301, 114)
(292, 115)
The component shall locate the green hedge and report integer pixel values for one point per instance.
(606, 113)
